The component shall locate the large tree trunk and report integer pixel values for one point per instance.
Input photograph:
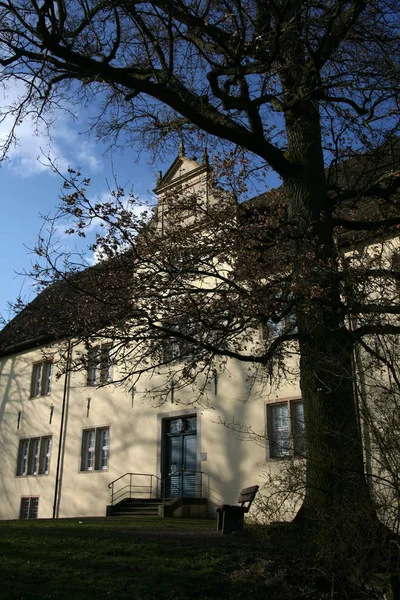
(337, 496)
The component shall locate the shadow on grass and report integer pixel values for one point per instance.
(144, 559)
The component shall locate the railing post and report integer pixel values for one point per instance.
(151, 486)
(130, 485)
(112, 494)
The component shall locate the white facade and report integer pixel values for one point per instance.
(130, 438)
(65, 439)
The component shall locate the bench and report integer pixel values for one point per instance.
(230, 517)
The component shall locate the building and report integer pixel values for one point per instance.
(68, 438)
(74, 443)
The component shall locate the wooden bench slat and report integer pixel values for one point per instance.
(249, 490)
(246, 498)
(248, 494)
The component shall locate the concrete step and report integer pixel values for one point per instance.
(138, 513)
(136, 507)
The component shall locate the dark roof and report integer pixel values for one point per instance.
(86, 301)
(350, 184)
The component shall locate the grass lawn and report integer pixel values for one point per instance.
(127, 558)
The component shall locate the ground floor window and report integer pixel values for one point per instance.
(285, 429)
(95, 449)
(34, 456)
(29, 508)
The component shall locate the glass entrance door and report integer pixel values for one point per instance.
(180, 457)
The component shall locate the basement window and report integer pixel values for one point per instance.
(29, 508)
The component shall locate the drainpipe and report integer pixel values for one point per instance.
(61, 436)
(366, 434)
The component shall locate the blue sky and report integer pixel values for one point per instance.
(29, 189)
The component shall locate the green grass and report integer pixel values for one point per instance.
(165, 559)
(129, 558)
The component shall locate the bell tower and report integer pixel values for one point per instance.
(183, 187)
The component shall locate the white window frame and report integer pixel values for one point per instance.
(294, 429)
(34, 456)
(104, 448)
(34, 453)
(45, 455)
(23, 454)
(95, 449)
(41, 379)
(99, 368)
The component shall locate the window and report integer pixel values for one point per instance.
(34, 456)
(286, 429)
(95, 449)
(45, 451)
(272, 329)
(171, 349)
(41, 379)
(99, 365)
(177, 348)
(29, 508)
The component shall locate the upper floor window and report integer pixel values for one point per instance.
(34, 456)
(95, 449)
(41, 379)
(180, 348)
(285, 426)
(99, 365)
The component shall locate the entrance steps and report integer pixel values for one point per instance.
(195, 508)
(135, 507)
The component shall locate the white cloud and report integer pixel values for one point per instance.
(36, 145)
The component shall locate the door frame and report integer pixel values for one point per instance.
(167, 416)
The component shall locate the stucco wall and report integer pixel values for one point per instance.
(135, 435)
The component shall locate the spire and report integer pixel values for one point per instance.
(205, 157)
(181, 152)
(159, 178)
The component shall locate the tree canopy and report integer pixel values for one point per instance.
(240, 71)
(309, 89)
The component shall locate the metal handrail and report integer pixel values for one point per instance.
(201, 473)
(126, 490)
(121, 476)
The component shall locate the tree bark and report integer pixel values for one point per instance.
(337, 495)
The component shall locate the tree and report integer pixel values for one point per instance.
(300, 86)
